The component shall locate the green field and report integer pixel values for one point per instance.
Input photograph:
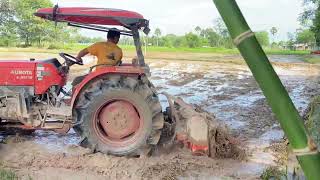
(7, 174)
(312, 59)
(72, 48)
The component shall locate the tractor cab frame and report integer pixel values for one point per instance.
(97, 19)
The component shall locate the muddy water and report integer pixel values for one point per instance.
(225, 89)
(230, 92)
(286, 58)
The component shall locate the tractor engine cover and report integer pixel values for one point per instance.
(40, 75)
(22, 82)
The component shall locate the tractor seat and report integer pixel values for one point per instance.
(53, 61)
(79, 79)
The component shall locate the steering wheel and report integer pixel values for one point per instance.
(70, 59)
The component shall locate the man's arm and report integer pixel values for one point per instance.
(82, 53)
(118, 55)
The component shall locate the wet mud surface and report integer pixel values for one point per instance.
(230, 92)
(226, 90)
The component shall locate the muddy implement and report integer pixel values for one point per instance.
(277, 96)
(198, 131)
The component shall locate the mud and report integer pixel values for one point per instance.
(311, 117)
(30, 159)
(227, 90)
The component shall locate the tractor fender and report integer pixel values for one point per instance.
(123, 70)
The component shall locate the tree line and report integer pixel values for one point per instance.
(310, 18)
(215, 36)
(211, 37)
(19, 27)
(218, 36)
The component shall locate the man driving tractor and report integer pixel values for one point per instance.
(108, 53)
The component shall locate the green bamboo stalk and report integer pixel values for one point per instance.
(276, 94)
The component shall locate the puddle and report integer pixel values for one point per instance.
(245, 100)
(272, 136)
(252, 168)
(286, 58)
(299, 101)
(259, 158)
(221, 87)
(54, 142)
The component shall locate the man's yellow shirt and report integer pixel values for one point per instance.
(107, 53)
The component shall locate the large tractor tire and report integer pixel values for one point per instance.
(119, 115)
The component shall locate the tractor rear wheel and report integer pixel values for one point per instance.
(119, 115)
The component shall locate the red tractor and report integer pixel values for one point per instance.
(115, 109)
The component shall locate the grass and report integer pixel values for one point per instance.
(286, 52)
(273, 173)
(216, 50)
(69, 48)
(312, 59)
(7, 174)
(193, 50)
(29, 50)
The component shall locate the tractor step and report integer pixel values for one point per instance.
(60, 111)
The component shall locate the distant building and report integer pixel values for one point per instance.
(299, 47)
(302, 47)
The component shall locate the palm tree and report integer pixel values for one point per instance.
(157, 32)
(198, 30)
(273, 31)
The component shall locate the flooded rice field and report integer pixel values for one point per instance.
(230, 92)
(226, 90)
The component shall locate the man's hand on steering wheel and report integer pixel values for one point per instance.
(71, 60)
(80, 60)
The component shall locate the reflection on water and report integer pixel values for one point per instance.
(56, 142)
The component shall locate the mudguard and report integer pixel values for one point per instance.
(123, 70)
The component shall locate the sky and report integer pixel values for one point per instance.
(182, 16)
